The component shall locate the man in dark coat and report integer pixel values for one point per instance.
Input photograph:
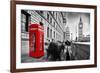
(52, 51)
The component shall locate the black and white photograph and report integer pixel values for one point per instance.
(65, 36)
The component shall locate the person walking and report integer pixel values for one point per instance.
(62, 54)
(52, 51)
(67, 46)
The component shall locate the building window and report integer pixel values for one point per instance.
(47, 16)
(54, 34)
(41, 12)
(56, 27)
(51, 20)
(64, 20)
(54, 24)
(48, 32)
(51, 33)
(56, 15)
(41, 20)
(25, 21)
(53, 13)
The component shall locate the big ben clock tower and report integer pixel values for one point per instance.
(80, 29)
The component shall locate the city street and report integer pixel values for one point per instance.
(77, 51)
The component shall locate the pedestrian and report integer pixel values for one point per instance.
(67, 44)
(61, 49)
(52, 51)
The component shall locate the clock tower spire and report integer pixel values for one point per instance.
(80, 29)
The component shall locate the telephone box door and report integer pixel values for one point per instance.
(36, 41)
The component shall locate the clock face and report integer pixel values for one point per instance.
(80, 26)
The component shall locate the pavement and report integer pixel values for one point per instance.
(26, 59)
(76, 51)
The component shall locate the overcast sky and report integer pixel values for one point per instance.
(73, 19)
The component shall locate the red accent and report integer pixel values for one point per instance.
(36, 40)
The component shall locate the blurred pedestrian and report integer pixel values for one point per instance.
(61, 51)
(59, 43)
(52, 51)
(68, 48)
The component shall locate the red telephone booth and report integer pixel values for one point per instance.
(36, 40)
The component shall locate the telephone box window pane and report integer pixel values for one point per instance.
(32, 44)
(41, 41)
